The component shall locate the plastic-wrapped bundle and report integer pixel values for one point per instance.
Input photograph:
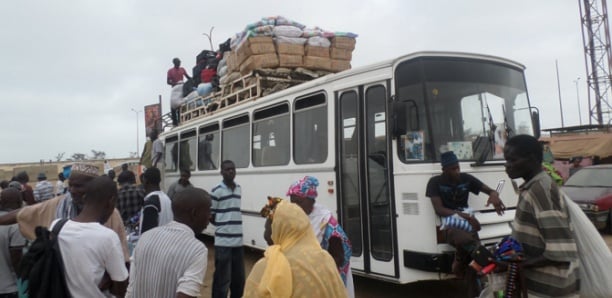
(279, 20)
(319, 41)
(346, 34)
(266, 30)
(595, 256)
(287, 31)
(204, 89)
(176, 96)
(262, 22)
(456, 222)
(310, 32)
(290, 40)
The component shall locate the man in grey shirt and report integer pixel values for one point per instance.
(181, 184)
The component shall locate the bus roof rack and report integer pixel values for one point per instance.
(252, 86)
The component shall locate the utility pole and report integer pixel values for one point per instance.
(559, 89)
(578, 100)
(137, 134)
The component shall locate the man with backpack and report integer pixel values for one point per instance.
(89, 249)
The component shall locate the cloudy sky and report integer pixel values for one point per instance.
(73, 70)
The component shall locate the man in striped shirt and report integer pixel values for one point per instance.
(541, 224)
(229, 255)
(168, 260)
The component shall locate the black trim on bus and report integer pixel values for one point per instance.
(172, 138)
(271, 111)
(243, 119)
(209, 128)
(440, 263)
(488, 164)
(188, 134)
(310, 100)
(360, 126)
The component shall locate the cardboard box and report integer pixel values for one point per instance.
(232, 62)
(291, 60)
(260, 39)
(317, 63)
(340, 65)
(259, 61)
(255, 46)
(289, 48)
(314, 51)
(341, 54)
(342, 42)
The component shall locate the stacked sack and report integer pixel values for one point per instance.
(279, 42)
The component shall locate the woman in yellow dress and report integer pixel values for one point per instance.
(295, 265)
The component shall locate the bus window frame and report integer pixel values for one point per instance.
(174, 139)
(203, 130)
(236, 121)
(270, 113)
(297, 109)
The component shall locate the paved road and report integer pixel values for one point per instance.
(366, 288)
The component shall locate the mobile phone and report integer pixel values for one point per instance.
(500, 185)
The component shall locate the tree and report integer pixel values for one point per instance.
(78, 157)
(59, 156)
(98, 154)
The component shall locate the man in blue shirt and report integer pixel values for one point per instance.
(449, 193)
(226, 216)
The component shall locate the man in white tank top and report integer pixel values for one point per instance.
(157, 207)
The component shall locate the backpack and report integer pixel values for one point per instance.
(41, 270)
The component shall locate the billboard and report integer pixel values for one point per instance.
(152, 114)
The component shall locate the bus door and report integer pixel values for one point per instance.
(365, 202)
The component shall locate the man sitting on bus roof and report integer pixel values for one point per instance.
(449, 194)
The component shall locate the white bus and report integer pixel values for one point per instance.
(373, 137)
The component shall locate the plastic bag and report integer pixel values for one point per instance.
(595, 256)
(287, 31)
(319, 41)
(176, 96)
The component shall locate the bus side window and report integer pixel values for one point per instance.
(310, 129)
(271, 136)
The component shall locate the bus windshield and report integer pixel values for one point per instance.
(465, 105)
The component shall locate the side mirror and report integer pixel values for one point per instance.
(400, 125)
(405, 117)
(535, 120)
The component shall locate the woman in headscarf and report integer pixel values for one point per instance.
(328, 231)
(295, 265)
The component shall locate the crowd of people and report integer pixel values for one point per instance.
(308, 253)
(93, 215)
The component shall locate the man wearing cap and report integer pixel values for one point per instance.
(43, 189)
(449, 194)
(66, 206)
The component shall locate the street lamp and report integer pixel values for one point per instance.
(578, 99)
(137, 136)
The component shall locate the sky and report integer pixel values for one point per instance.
(76, 74)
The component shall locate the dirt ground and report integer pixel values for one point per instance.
(364, 287)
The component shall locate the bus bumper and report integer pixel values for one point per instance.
(441, 263)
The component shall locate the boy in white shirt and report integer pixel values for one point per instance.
(91, 252)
